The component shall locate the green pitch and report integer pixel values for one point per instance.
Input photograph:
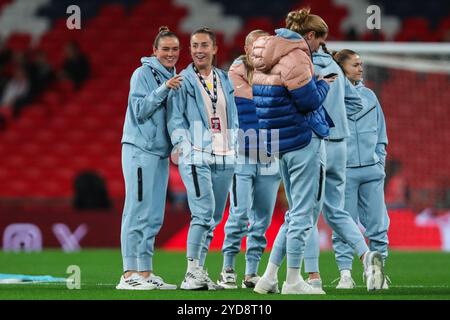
(414, 275)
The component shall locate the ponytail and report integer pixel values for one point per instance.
(162, 33)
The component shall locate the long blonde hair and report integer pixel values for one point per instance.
(302, 22)
(250, 38)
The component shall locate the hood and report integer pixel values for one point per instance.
(154, 62)
(322, 59)
(267, 51)
(359, 85)
(238, 66)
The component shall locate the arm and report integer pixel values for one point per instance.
(144, 99)
(177, 125)
(307, 93)
(382, 135)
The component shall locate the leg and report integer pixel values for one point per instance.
(312, 252)
(156, 179)
(198, 182)
(334, 211)
(222, 177)
(306, 173)
(265, 196)
(343, 251)
(241, 199)
(130, 235)
(373, 212)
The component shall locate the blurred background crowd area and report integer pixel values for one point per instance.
(63, 93)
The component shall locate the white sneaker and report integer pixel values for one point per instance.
(373, 270)
(264, 286)
(159, 282)
(227, 279)
(346, 282)
(316, 284)
(194, 280)
(300, 287)
(134, 282)
(212, 286)
(250, 282)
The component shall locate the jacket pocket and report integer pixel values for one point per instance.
(139, 181)
(195, 178)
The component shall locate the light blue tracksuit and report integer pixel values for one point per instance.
(254, 190)
(342, 101)
(207, 177)
(364, 191)
(145, 164)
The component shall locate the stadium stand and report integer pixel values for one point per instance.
(64, 131)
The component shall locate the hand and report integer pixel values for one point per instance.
(175, 82)
(327, 80)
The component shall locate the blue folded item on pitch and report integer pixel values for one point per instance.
(22, 278)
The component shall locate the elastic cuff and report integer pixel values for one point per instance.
(229, 261)
(251, 266)
(345, 266)
(130, 263)
(361, 248)
(293, 260)
(144, 263)
(311, 265)
(193, 251)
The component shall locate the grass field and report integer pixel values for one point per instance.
(414, 275)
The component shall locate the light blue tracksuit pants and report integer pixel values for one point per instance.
(252, 201)
(303, 174)
(146, 177)
(364, 199)
(207, 184)
(334, 212)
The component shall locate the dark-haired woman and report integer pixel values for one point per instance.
(145, 162)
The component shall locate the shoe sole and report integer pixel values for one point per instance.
(248, 286)
(303, 293)
(264, 291)
(227, 286)
(164, 289)
(376, 280)
(345, 288)
(199, 288)
(119, 287)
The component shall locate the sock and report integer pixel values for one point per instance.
(293, 275)
(346, 273)
(192, 264)
(271, 272)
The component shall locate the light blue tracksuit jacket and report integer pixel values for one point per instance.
(145, 164)
(364, 191)
(207, 177)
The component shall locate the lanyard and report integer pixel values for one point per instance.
(157, 78)
(202, 81)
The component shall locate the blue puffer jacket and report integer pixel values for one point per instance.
(288, 96)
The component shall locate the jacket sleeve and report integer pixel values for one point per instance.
(144, 99)
(353, 103)
(311, 96)
(307, 93)
(382, 142)
(177, 125)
